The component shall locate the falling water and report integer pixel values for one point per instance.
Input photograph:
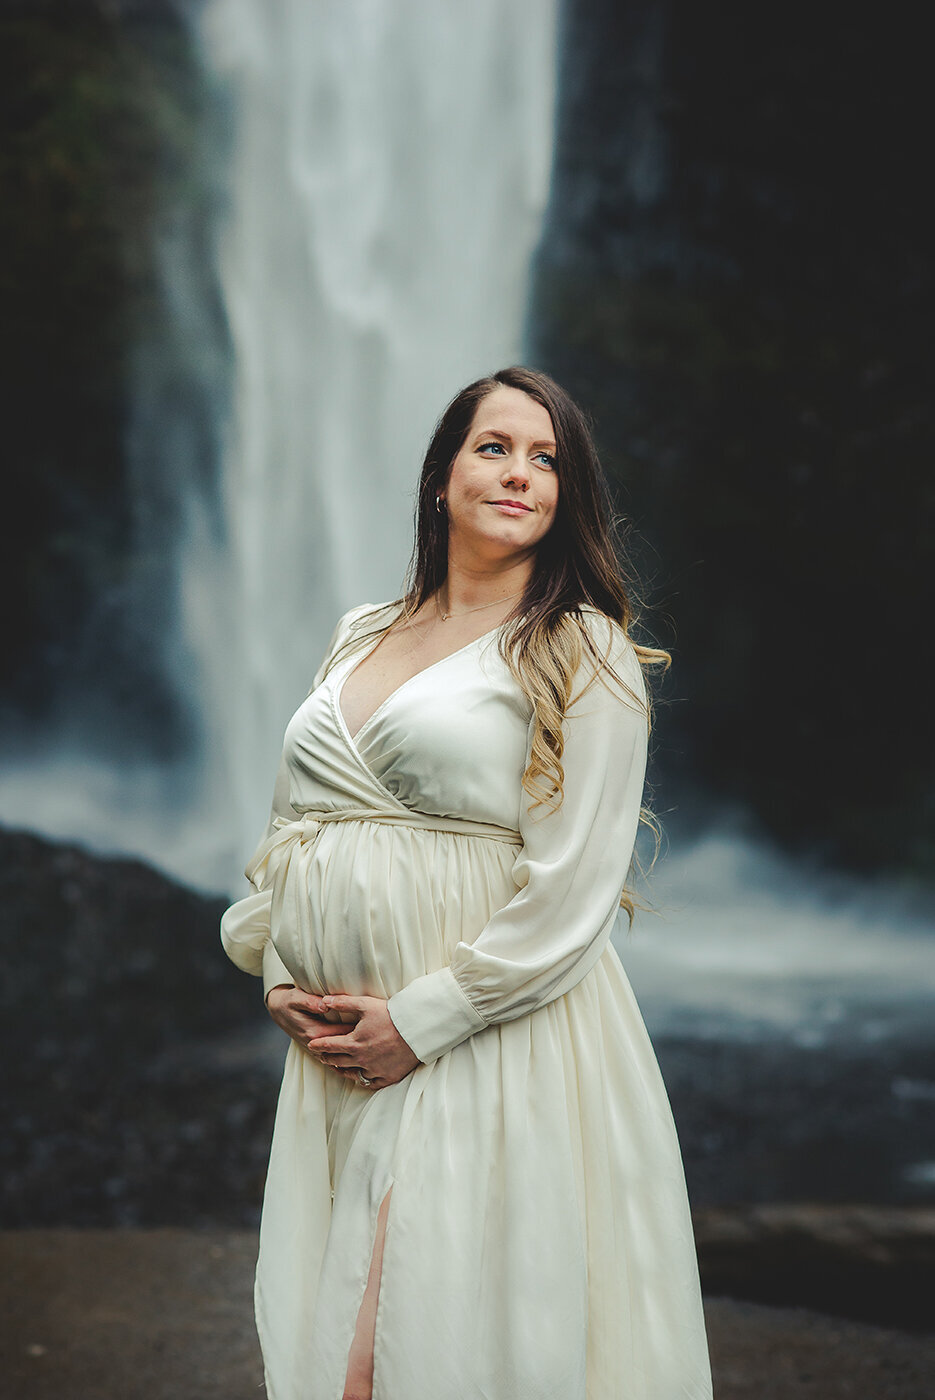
(389, 172)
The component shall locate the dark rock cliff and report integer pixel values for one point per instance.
(736, 279)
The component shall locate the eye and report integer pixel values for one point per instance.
(545, 459)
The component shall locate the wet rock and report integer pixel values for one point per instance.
(867, 1262)
(127, 1038)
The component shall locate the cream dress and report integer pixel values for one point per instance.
(538, 1243)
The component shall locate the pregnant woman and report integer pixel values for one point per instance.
(475, 1190)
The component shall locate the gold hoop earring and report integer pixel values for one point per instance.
(438, 504)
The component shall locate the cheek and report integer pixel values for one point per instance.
(550, 501)
(466, 485)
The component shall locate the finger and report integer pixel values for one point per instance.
(325, 1030)
(308, 1009)
(343, 1045)
(354, 1076)
(352, 1072)
(311, 1004)
(339, 1002)
(333, 1061)
(327, 1062)
(303, 1001)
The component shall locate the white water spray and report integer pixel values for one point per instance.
(752, 944)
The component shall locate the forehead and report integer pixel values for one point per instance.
(510, 410)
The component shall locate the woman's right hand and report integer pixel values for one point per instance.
(301, 1015)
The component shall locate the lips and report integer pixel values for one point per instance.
(512, 507)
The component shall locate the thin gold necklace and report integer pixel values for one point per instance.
(445, 615)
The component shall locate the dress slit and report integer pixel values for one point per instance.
(358, 1381)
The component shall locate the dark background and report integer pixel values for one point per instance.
(737, 280)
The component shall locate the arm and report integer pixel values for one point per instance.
(245, 926)
(571, 871)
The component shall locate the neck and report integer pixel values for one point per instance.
(468, 587)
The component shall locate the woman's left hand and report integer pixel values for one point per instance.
(374, 1046)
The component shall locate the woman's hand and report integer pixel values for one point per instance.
(373, 1044)
(299, 1014)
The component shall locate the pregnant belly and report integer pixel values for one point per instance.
(368, 906)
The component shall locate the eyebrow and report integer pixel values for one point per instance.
(492, 432)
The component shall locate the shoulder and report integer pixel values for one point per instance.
(605, 640)
(359, 621)
(603, 632)
(352, 626)
(609, 657)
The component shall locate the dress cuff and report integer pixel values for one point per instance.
(433, 1015)
(275, 972)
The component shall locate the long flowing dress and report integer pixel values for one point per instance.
(538, 1243)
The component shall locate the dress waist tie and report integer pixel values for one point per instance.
(306, 827)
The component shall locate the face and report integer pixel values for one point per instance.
(502, 491)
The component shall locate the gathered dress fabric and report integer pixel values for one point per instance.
(538, 1242)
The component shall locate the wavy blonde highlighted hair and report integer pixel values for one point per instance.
(578, 565)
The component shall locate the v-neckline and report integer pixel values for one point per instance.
(338, 688)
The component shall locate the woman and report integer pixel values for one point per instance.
(475, 1187)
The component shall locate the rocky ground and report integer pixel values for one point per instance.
(167, 1315)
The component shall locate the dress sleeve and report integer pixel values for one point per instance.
(570, 871)
(245, 925)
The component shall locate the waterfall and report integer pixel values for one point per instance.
(389, 169)
(380, 173)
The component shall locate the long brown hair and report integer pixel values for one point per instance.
(578, 564)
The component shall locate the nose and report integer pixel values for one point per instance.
(516, 473)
